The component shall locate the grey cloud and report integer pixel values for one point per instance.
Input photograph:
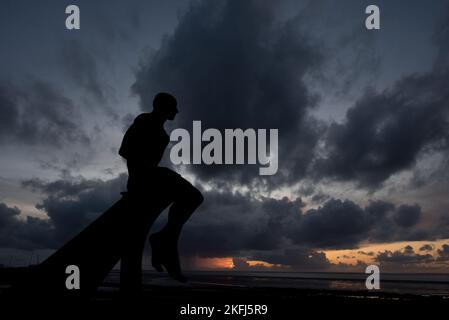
(440, 38)
(341, 223)
(350, 56)
(297, 258)
(69, 205)
(408, 249)
(271, 224)
(256, 79)
(369, 253)
(277, 231)
(38, 114)
(68, 187)
(443, 253)
(404, 258)
(426, 247)
(386, 132)
(407, 216)
(233, 65)
(29, 233)
(344, 224)
(72, 205)
(7, 215)
(240, 264)
(81, 67)
(227, 224)
(320, 197)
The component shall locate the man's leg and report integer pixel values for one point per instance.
(181, 210)
(140, 219)
(187, 199)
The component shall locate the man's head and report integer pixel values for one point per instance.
(165, 105)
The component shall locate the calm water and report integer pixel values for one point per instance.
(404, 283)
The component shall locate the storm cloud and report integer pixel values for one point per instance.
(233, 65)
(386, 132)
(81, 67)
(344, 224)
(38, 114)
(277, 231)
(404, 258)
(443, 253)
(29, 233)
(297, 258)
(69, 206)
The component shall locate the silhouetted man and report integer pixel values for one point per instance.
(154, 188)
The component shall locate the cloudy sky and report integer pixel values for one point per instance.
(363, 120)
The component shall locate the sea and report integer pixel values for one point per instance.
(423, 284)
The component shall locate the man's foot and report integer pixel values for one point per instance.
(173, 267)
(165, 254)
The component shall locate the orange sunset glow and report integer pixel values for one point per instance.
(227, 263)
(365, 254)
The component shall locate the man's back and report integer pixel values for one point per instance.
(144, 142)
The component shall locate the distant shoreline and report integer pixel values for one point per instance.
(342, 285)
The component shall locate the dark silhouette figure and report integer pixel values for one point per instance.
(154, 188)
(120, 233)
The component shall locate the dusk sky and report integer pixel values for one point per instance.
(363, 120)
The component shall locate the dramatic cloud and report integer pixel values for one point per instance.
(386, 132)
(248, 69)
(70, 206)
(404, 258)
(298, 258)
(443, 253)
(277, 231)
(344, 224)
(8, 215)
(337, 223)
(268, 225)
(369, 253)
(31, 233)
(228, 223)
(233, 65)
(426, 247)
(38, 114)
(81, 67)
(407, 216)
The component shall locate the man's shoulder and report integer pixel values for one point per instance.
(146, 120)
(146, 116)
